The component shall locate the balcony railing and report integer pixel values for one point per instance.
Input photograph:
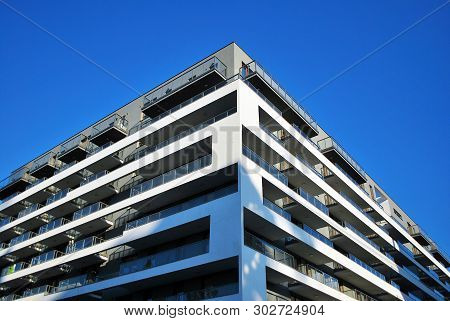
(317, 235)
(52, 225)
(61, 194)
(366, 266)
(265, 165)
(44, 289)
(352, 179)
(29, 210)
(171, 175)
(181, 81)
(200, 200)
(79, 141)
(22, 238)
(405, 250)
(14, 268)
(329, 142)
(319, 275)
(356, 294)
(46, 257)
(93, 177)
(255, 68)
(83, 244)
(11, 297)
(88, 210)
(202, 294)
(72, 283)
(113, 121)
(361, 235)
(277, 209)
(269, 250)
(395, 285)
(416, 229)
(305, 136)
(344, 195)
(14, 177)
(312, 200)
(6, 220)
(307, 164)
(46, 159)
(147, 150)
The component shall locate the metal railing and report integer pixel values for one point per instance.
(329, 142)
(256, 68)
(172, 175)
(264, 164)
(209, 65)
(88, 210)
(83, 244)
(147, 150)
(366, 266)
(277, 209)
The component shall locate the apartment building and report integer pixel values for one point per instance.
(215, 185)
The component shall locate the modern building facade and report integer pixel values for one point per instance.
(216, 185)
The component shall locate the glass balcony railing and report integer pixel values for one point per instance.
(171, 175)
(411, 273)
(395, 285)
(72, 283)
(329, 142)
(317, 235)
(361, 235)
(88, 210)
(56, 197)
(405, 250)
(93, 177)
(79, 141)
(46, 257)
(11, 297)
(113, 121)
(344, 195)
(366, 266)
(52, 225)
(44, 290)
(165, 257)
(413, 297)
(209, 65)
(320, 276)
(307, 164)
(276, 209)
(305, 136)
(14, 177)
(14, 268)
(29, 210)
(265, 165)
(356, 294)
(46, 159)
(83, 244)
(352, 179)
(200, 200)
(22, 238)
(6, 220)
(202, 294)
(255, 68)
(269, 250)
(147, 150)
(312, 200)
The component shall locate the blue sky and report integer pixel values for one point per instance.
(391, 111)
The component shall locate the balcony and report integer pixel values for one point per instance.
(83, 244)
(14, 268)
(75, 149)
(419, 235)
(65, 207)
(22, 238)
(265, 165)
(15, 183)
(29, 210)
(73, 179)
(101, 192)
(434, 250)
(111, 129)
(337, 154)
(312, 200)
(45, 165)
(108, 162)
(42, 194)
(366, 266)
(11, 297)
(47, 256)
(291, 110)
(277, 209)
(41, 290)
(209, 293)
(59, 238)
(187, 85)
(171, 175)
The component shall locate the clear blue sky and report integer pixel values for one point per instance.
(391, 112)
